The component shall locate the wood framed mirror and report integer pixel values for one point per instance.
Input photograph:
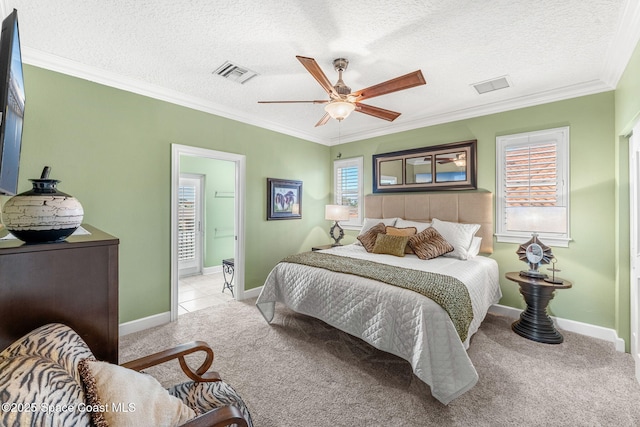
(438, 167)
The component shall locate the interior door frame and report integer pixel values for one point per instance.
(178, 150)
(634, 242)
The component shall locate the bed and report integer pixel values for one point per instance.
(392, 318)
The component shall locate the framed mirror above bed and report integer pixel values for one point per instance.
(438, 167)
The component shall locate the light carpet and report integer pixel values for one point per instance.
(298, 371)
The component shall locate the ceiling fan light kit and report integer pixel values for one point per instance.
(343, 102)
(339, 110)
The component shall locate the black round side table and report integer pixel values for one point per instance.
(534, 323)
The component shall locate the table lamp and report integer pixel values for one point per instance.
(336, 213)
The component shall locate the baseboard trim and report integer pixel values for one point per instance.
(252, 293)
(164, 318)
(144, 323)
(212, 270)
(581, 328)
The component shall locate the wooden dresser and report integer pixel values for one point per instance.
(74, 282)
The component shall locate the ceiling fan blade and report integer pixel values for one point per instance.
(312, 67)
(317, 101)
(323, 120)
(399, 83)
(378, 112)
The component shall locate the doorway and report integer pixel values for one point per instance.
(234, 195)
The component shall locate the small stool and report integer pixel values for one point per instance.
(228, 268)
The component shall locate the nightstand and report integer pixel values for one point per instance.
(534, 323)
(321, 247)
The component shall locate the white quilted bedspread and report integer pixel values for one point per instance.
(390, 318)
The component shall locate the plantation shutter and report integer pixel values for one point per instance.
(531, 175)
(186, 223)
(348, 188)
(533, 185)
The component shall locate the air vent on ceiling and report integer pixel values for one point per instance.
(234, 72)
(491, 85)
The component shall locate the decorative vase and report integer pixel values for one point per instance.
(42, 214)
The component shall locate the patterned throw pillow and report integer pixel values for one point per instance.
(404, 231)
(390, 244)
(429, 244)
(368, 239)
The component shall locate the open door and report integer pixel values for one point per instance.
(634, 223)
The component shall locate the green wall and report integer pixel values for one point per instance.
(219, 176)
(112, 150)
(590, 259)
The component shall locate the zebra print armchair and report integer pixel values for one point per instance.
(49, 377)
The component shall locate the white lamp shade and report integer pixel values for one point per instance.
(336, 212)
(339, 110)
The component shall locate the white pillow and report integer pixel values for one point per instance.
(474, 249)
(143, 400)
(420, 226)
(459, 235)
(371, 222)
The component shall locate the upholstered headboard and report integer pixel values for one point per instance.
(474, 208)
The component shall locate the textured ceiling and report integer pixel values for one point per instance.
(549, 49)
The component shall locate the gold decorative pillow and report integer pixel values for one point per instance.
(404, 231)
(124, 397)
(395, 231)
(368, 239)
(390, 244)
(429, 244)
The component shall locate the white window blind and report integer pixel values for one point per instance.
(186, 223)
(533, 186)
(348, 189)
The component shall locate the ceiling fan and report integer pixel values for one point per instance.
(460, 159)
(342, 101)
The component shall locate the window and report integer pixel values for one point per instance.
(533, 187)
(347, 181)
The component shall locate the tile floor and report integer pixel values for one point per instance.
(201, 291)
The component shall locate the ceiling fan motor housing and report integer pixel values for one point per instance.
(340, 64)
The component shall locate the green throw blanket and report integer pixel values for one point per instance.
(449, 292)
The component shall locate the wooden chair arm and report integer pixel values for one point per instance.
(219, 417)
(178, 352)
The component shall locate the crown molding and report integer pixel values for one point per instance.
(623, 43)
(55, 63)
(560, 94)
(76, 69)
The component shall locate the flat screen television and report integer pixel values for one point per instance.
(12, 98)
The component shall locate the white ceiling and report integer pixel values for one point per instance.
(549, 49)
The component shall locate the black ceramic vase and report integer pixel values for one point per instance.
(42, 214)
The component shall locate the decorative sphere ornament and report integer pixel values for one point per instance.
(42, 214)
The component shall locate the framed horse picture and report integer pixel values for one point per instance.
(284, 199)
